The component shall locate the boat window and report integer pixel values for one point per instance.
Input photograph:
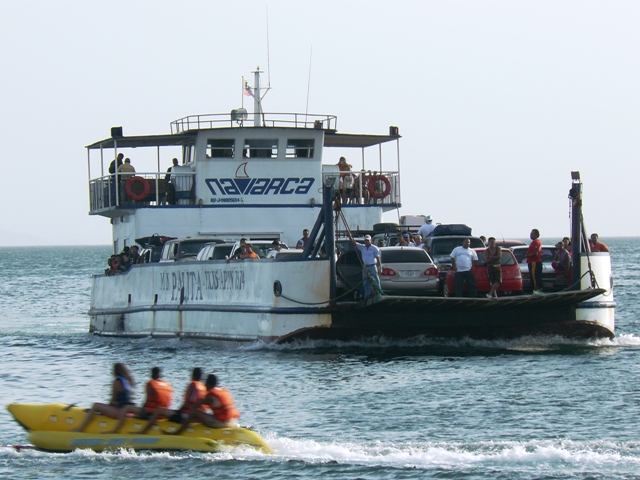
(300, 147)
(220, 147)
(260, 148)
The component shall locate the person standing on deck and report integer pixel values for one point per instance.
(596, 245)
(428, 227)
(463, 259)
(534, 261)
(371, 259)
(492, 257)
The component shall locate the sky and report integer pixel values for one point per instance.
(496, 101)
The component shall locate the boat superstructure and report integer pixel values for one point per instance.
(237, 178)
(268, 179)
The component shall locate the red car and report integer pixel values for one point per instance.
(511, 276)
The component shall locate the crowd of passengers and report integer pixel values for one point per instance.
(123, 261)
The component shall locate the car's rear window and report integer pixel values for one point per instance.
(406, 255)
(506, 260)
(221, 252)
(444, 246)
(548, 254)
(192, 248)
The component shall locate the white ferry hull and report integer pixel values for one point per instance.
(212, 300)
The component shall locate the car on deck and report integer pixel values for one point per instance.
(550, 282)
(260, 247)
(408, 271)
(511, 276)
(509, 243)
(214, 251)
(440, 249)
(184, 249)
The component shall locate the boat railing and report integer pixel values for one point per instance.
(365, 187)
(158, 188)
(293, 120)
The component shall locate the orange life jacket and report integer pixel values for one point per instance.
(199, 393)
(159, 396)
(227, 410)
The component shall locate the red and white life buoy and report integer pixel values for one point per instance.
(136, 188)
(379, 186)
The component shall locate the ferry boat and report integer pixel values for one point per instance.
(269, 178)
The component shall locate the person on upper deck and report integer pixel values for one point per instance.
(194, 393)
(126, 169)
(116, 163)
(170, 195)
(596, 245)
(220, 402)
(113, 168)
(426, 229)
(347, 182)
(120, 397)
(159, 395)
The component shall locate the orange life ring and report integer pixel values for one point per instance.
(136, 188)
(374, 187)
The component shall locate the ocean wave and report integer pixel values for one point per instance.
(523, 344)
(556, 455)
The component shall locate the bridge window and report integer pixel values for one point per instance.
(300, 148)
(220, 147)
(260, 148)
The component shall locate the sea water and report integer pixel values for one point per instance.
(419, 408)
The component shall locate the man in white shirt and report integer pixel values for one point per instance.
(371, 259)
(463, 259)
(427, 228)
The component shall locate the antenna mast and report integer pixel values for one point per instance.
(308, 85)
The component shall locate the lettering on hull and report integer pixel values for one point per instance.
(194, 282)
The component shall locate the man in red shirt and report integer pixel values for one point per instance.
(534, 261)
(596, 245)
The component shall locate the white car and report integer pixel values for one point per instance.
(261, 247)
(285, 253)
(408, 271)
(215, 251)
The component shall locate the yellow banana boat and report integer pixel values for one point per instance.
(49, 426)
